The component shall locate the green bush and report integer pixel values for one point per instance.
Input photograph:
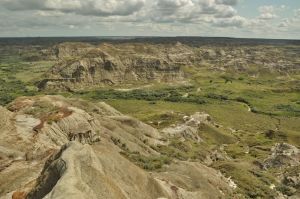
(286, 190)
(147, 162)
(11, 89)
(5, 99)
(167, 94)
(183, 150)
(227, 78)
(216, 96)
(287, 108)
(242, 100)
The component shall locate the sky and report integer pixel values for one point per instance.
(276, 19)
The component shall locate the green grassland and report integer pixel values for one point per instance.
(251, 131)
(18, 76)
(246, 108)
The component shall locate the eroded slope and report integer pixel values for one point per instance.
(54, 147)
(81, 65)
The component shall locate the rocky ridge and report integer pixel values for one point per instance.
(81, 65)
(54, 147)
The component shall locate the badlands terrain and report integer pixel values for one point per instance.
(149, 118)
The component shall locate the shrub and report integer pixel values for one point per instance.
(5, 99)
(227, 78)
(167, 94)
(289, 191)
(216, 96)
(147, 162)
(11, 89)
(242, 100)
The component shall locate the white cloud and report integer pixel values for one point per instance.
(266, 9)
(284, 23)
(282, 6)
(191, 11)
(81, 7)
(297, 13)
(227, 2)
(43, 13)
(236, 21)
(267, 12)
(72, 26)
(155, 10)
(166, 17)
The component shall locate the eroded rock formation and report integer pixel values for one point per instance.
(283, 155)
(52, 147)
(81, 65)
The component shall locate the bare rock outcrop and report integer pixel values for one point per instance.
(283, 155)
(189, 129)
(84, 171)
(80, 173)
(189, 184)
(82, 65)
(35, 127)
(53, 147)
(107, 65)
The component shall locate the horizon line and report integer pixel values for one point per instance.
(156, 36)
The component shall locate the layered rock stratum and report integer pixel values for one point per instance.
(53, 147)
(83, 65)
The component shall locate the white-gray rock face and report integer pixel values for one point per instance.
(189, 129)
(283, 155)
(84, 171)
(53, 147)
(82, 65)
